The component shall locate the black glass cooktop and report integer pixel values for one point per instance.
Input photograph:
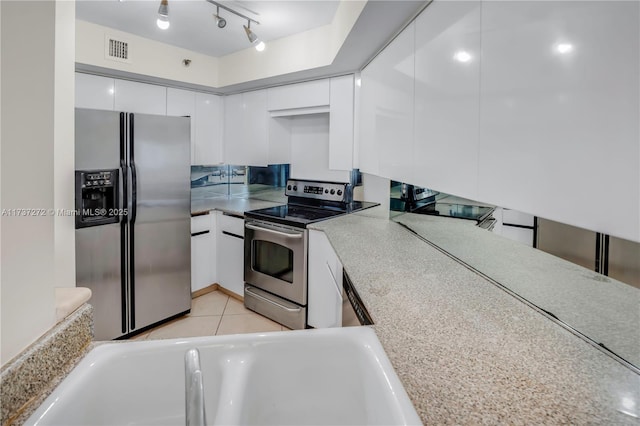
(477, 213)
(298, 215)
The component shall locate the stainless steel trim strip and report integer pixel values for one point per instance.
(282, 234)
(273, 302)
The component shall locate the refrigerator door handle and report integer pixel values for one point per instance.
(132, 220)
(134, 195)
(124, 204)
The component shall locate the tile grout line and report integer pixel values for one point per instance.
(222, 316)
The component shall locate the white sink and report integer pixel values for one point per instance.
(329, 376)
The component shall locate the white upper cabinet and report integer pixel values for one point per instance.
(94, 92)
(206, 113)
(386, 120)
(246, 129)
(299, 96)
(341, 115)
(447, 94)
(208, 129)
(182, 103)
(140, 97)
(559, 111)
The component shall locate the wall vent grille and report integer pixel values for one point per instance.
(117, 50)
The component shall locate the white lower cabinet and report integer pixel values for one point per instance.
(230, 252)
(324, 283)
(203, 251)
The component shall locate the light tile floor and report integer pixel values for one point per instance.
(213, 314)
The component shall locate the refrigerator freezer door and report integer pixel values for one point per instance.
(98, 267)
(99, 261)
(568, 242)
(160, 233)
(97, 145)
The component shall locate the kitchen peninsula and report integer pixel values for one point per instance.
(466, 351)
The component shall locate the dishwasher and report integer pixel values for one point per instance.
(353, 310)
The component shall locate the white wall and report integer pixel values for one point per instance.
(33, 124)
(148, 57)
(64, 143)
(310, 149)
(310, 49)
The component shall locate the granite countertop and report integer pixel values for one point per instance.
(466, 351)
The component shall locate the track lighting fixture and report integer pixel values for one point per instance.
(253, 38)
(220, 22)
(163, 15)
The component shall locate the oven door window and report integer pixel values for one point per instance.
(273, 260)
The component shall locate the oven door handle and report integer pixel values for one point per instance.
(273, 302)
(282, 234)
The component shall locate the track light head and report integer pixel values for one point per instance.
(163, 15)
(220, 21)
(250, 34)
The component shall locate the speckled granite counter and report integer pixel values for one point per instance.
(600, 307)
(466, 351)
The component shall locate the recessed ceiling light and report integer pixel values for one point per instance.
(462, 56)
(564, 48)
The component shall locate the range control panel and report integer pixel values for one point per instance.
(328, 191)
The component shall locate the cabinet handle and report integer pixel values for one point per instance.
(237, 216)
(232, 235)
(195, 234)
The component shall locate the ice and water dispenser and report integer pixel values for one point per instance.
(97, 197)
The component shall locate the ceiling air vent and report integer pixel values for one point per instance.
(117, 50)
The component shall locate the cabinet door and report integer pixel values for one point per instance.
(230, 254)
(203, 251)
(208, 129)
(246, 129)
(256, 127)
(447, 96)
(233, 130)
(341, 123)
(182, 103)
(559, 111)
(131, 96)
(324, 283)
(300, 95)
(386, 139)
(94, 92)
(200, 261)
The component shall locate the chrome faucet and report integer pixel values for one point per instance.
(194, 389)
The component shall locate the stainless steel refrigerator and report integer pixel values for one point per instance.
(133, 218)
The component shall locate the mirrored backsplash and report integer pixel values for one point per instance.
(236, 180)
(586, 280)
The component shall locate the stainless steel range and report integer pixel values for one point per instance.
(276, 244)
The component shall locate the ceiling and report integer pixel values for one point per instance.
(194, 28)
(379, 22)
